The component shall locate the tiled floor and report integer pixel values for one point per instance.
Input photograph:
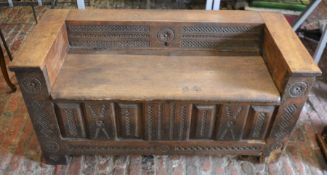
(20, 152)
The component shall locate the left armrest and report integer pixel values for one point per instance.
(45, 47)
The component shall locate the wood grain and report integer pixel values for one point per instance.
(223, 16)
(292, 51)
(40, 41)
(135, 77)
(163, 82)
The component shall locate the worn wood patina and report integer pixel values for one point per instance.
(163, 82)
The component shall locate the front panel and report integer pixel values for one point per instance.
(163, 121)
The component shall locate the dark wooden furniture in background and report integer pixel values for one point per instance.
(163, 82)
(3, 62)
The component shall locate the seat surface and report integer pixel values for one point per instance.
(102, 76)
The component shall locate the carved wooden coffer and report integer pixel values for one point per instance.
(163, 82)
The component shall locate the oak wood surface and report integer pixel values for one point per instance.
(38, 43)
(123, 81)
(137, 77)
(201, 16)
(297, 58)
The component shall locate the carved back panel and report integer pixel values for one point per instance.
(183, 36)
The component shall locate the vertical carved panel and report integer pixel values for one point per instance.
(71, 120)
(169, 111)
(101, 120)
(203, 121)
(258, 121)
(129, 121)
(167, 121)
(231, 124)
(182, 121)
(154, 117)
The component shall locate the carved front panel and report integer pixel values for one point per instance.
(100, 117)
(232, 121)
(71, 120)
(129, 121)
(203, 121)
(167, 121)
(258, 121)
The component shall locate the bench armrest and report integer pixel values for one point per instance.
(45, 47)
(285, 56)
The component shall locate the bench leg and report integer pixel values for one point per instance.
(55, 159)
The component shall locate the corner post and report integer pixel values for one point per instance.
(35, 89)
(293, 99)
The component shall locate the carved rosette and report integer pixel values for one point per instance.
(166, 35)
(298, 89)
(31, 85)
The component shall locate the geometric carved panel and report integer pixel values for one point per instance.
(111, 36)
(167, 121)
(100, 119)
(129, 121)
(232, 122)
(203, 121)
(71, 120)
(258, 121)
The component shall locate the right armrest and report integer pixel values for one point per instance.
(45, 47)
(284, 53)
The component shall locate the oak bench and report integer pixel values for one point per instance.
(163, 82)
